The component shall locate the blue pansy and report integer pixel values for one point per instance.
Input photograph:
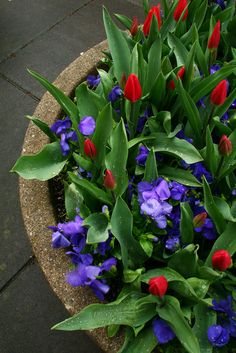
(162, 331)
(114, 94)
(61, 126)
(142, 155)
(177, 190)
(93, 81)
(218, 335)
(87, 125)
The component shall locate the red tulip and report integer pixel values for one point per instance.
(155, 10)
(180, 74)
(219, 93)
(109, 180)
(133, 89)
(214, 39)
(89, 148)
(158, 286)
(221, 260)
(134, 27)
(225, 146)
(199, 220)
(180, 8)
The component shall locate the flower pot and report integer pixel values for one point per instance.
(37, 209)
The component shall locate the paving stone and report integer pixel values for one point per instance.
(53, 51)
(22, 20)
(15, 249)
(28, 310)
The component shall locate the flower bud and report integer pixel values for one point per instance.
(134, 26)
(109, 180)
(199, 220)
(180, 8)
(89, 148)
(221, 260)
(180, 74)
(219, 93)
(133, 89)
(214, 39)
(225, 146)
(154, 11)
(158, 286)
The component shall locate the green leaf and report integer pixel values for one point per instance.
(177, 147)
(211, 208)
(121, 227)
(116, 159)
(43, 165)
(184, 177)
(83, 163)
(186, 223)
(73, 200)
(151, 173)
(172, 313)
(212, 155)
(145, 342)
(188, 77)
(89, 103)
(225, 241)
(191, 110)
(43, 127)
(185, 261)
(91, 188)
(158, 90)
(206, 85)
(208, 273)
(121, 312)
(224, 209)
(102, 133)
(203, 320)
(147, 246)
(154, 63)
(200, 286)
(180, 51)
(127, 22)
(201, 60)
(65, 102)
(98, 228)
(117, 44)
(231, 32)
(200, 13)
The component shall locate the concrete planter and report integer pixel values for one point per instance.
(37, 209)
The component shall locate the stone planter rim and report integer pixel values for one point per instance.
(37, 209)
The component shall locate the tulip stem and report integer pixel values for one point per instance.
(208, 121)
(219, 166)
(132, 120)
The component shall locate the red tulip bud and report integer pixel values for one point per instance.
(134, 27)
(89, 148)
(221, 260)
(180, 74)
(109, 180)
(133, 89)
(158, 286)
(214, 39)
(180, 8)
(154, 11)
(199, 220)
(219, 93)
(225, 146)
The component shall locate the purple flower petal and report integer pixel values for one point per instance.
(87, 125)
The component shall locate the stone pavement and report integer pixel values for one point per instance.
(44, 35)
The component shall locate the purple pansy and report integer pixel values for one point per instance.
(61, 126)
(114, 94)
(142, 156)
(199, 170)
(59, 240)
(218, 335)
(177, 190)
(181, 135)
(87, 125)
(220, 3)
(172, 243)
(214, 68)
(93, 81)
(162, 331)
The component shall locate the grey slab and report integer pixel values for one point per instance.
(53, 51)
(15, 249)
(28, 310)
(22, 20)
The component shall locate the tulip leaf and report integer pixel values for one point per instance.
(182, 176)
(145, 342)
(212, 209)
(127, 22)
(43, 127)
(117, 44)
(91, 188)
(224, 241)
(121, 228)
(186, 223)
(172, 314)
(89, 103)
(73, 200)
(179, 49)
(199, 14)
(185, 261)
(158, 90)
(202, 322)
(98, 228)
(65, 102)
(102, 133)
(116, 159)
(151, 172)
(212, 155)
(154, 64)
(206, 85)
(224, 209)
(43, 165)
